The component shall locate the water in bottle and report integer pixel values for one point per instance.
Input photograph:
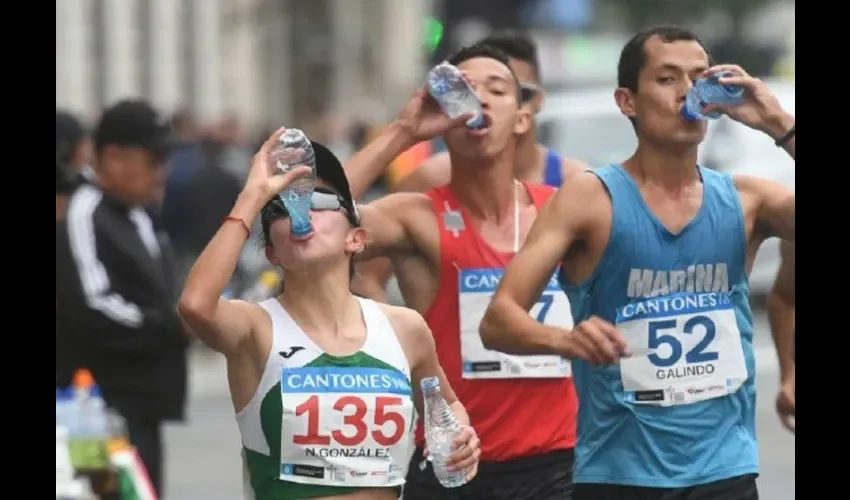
(294, 150)
(710, 91)
(89, 429)
(441, 427)
(448, 87)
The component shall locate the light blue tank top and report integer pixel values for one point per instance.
(681, 411)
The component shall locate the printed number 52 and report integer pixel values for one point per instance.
(696, 355)
(545, 302)
(355, 420)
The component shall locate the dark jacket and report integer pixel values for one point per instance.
(116, 306)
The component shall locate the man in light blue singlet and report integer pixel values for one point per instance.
(654, 255)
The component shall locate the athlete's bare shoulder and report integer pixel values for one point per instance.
(410, 327)
(768, 206)
(586, 190)
(434, 171)
(571, 167)
(403, 319)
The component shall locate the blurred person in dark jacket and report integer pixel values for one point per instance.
(116, 293)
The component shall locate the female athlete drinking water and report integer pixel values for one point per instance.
(323, 382)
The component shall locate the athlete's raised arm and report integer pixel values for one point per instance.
(387, 221)
(373, 275)
(223, 324)
(420, 120)
(760, 110)
(507, 327)
(434, 171)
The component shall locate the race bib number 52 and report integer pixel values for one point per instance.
(345, 425)
(687, 348)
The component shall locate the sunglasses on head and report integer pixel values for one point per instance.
(527, 91)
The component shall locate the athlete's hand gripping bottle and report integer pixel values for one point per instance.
(294, 150)
(441, 427)
(448, 87)
(710, 91)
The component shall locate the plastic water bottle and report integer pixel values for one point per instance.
(294, 150)
(448, 87)
(64, 469)
(89, 429)
(710, 91)
(441, 427)
(64, 407)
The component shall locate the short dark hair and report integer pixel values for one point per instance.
(133, 123)
(70, 132)
(633, 55)
(517, 45)
(486, 51)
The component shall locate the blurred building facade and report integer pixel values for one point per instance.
(267, 61)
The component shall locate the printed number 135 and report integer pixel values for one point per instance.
(383, 414)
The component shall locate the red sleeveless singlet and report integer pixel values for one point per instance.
(514, 418)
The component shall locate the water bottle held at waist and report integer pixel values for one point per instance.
(294, 150)
(448, 87)
(441, 428)
(708, 91)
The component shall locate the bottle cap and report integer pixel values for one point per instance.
(687, 115)
(83, 379)
(429, 383)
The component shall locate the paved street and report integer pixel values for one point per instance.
(203, 456)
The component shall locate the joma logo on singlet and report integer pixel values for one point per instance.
(699, 278)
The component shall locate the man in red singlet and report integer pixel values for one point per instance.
(449, 247)
(534, 161)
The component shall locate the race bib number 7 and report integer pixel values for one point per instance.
(345, 425)
(476, 287)
(687, 348)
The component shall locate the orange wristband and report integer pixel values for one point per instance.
(247, 229)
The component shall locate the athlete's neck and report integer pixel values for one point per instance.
(658, 165)
(319, 300)
(486, 190)
(529, 158)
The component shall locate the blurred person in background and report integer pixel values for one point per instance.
(534, 161)
(73, 153)
(116, 288)
(781, 312)
(184, 164)
(314, 324)
(73, 145)
(654, 253)
(450, 246)
(236, 153)
(64, 186)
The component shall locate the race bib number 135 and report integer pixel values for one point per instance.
(345, 425)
